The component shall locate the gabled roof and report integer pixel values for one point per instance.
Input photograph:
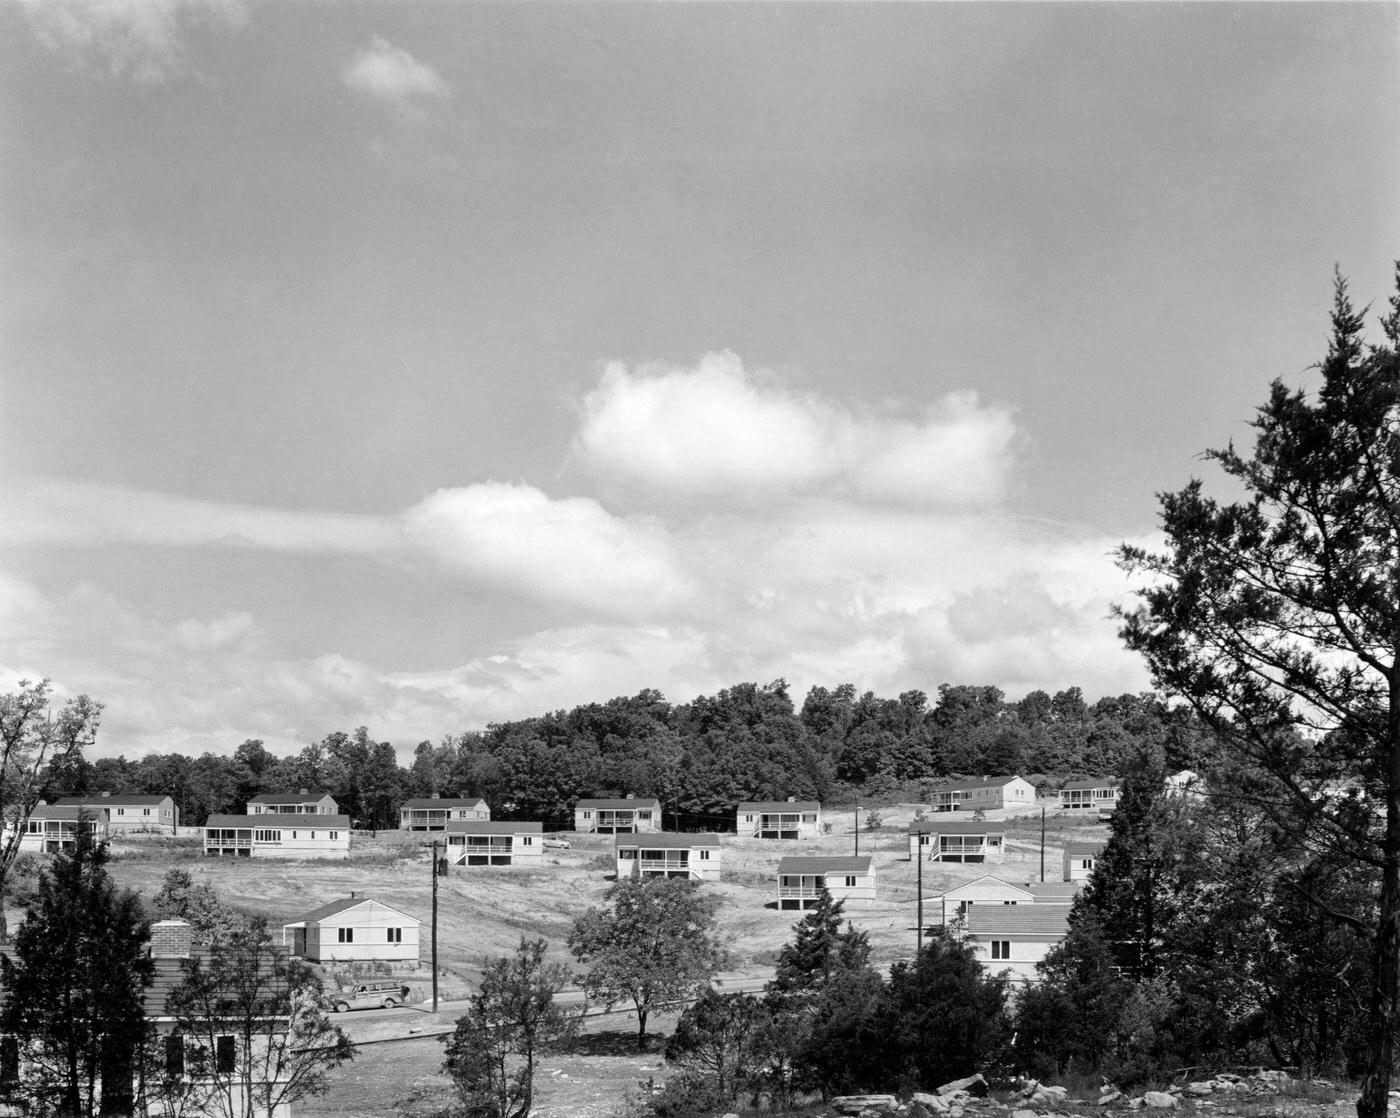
(781, 805)
(618, 805)
(980, 782)
(481, 827)
(300, 821)
(54, 811)
(443, 802)
(290, 797)
(97, 799)
(986, 881)
(955, 827)
(1054, 892)
(1049, 920)
(335, 908)
(1092, 782)
(668, 841)
(816, 863)
(1084, 849)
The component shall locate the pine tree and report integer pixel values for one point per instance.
(74, 986)
(819, 949)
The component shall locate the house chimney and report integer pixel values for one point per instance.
(171, 939)
(435, 796)
(631, 795)
(105, 794)
(792, 799)
(302, 792)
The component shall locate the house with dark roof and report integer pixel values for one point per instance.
(960, 840)
(779, 819)
(300, 802)
(267, 835)
(802, 878)
(957, 902)
(1014, 938)
(695, 857)
(1080, 858)
(1098, 793)
(988, 793)
(52, 828)
(354, 930)
(473, 842)
(128, 812)
(611, 817)
(434, 813)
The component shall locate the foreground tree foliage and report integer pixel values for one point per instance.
(656, 944)
(496, 1046)
(1277, 617)
(74, 986)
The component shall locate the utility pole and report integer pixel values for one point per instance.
(919, 936)
(857, 797)
(435, 891)
(1042, 844)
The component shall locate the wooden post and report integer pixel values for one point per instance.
(436, 869)
(857, 824)
(919, 935)
(1042, 844)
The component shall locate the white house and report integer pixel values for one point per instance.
(988, 793)
(293, 803)
(1094, 794)
(478, 843)
(130, 812)
(433, 813)
(1014, 938)
(1055, 892)
(961, 841)
(957, 902)
(52, 828)
(779, 819)
(610, 817)
(695, 857)
(1080, 858)
(801, 879)
(1185, 784)
(277, 836)
(354, 930)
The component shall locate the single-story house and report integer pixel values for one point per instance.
(1093, 794)
(277, 836)
(949, 841)
(1055, 892)
(1015, 937)
(988, 793)
(473, 842)
(695, 857)
(293, 803)
(130, 812)
(433, 813)
(354, 930)
(52, 828)
(610, 817)
(778, 819)
(957, 902)
(802, 878)
(1080, 859)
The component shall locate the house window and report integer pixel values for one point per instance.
(588, 815)
(1086, 863)
(175, 1056)
(121, 811)
(643, 815)
(267, 836)
(809, 817)
(395, 935)
(850, 881)
(704, 855)
(146, 811)
(748, 819)
(527, 840)
(225, 1055)
(294, 834)
(1001, 949)
(333, 835)
(345, 935)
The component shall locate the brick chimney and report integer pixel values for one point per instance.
(171, 939)
(435, 796)
(106, 794)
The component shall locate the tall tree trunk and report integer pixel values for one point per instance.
(1380, 1054)
(641, 1028)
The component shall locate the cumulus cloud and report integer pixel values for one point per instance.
(570, 550)
(390, 75)
(143, 40)
(720, 429)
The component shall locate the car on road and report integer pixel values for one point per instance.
(377, 994)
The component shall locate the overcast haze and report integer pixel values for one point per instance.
(423, 365)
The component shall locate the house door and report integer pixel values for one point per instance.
(298, 941)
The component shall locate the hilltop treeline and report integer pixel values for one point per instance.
(699, 758)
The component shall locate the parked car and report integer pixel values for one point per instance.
(378, 994)
(557, 844)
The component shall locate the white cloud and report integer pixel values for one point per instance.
(392, 76)
(720, 430)
(569, 550)
(143, 40)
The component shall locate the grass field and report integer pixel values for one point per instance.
(483, 912)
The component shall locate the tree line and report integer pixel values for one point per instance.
(747, 742)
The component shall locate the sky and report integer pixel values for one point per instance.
(424, 365)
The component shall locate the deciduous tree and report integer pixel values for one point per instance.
(1277, 616)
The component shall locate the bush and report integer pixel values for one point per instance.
(688, 1094)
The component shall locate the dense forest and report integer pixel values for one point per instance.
(699, 758)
